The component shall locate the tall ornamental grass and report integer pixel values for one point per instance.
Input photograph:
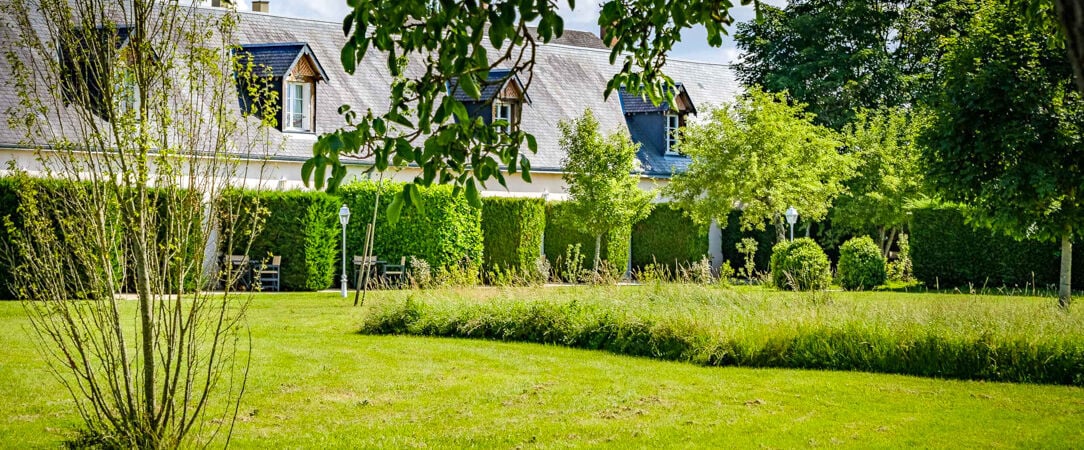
(950, 336)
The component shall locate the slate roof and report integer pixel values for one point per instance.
(636, 104)
(280, 57)
(567, 80)
(490, 88)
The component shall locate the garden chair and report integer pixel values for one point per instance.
(238, 271)
(270, 274)
(362, 264)
(396, 271)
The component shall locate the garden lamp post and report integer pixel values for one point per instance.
(344, 218)
(792, 218)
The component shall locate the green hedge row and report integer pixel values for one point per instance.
(64, 205)
(9, 204)
(733, 234)
(560, 235)
(300, 226)
(948, 252)
(932, 350)
(512, 232)
(667, 236)
(446, 232)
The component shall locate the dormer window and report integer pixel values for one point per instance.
(502, 99)
(291, 70)
(297, 107)
(97, 73)
(673, 130)
(657, 128)
(502, 110)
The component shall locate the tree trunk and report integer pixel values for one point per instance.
(780, 229)
(598, 251)
(1064, 285)
(888, 244)
(1071, 16)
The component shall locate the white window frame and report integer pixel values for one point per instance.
(673, 126)
(289, 112)
(507, 109)
(125, 89)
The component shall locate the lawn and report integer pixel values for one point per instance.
(316, 383)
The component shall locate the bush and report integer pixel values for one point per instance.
(1019, 342)
(560, 234)
(667, 236)
(733, 235)
(861, 265)
(946, 251)
(800, 265)
(446, 232)
(512, 233)
(300, 226)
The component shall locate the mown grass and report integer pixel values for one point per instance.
(1000, 338)
(316, 383)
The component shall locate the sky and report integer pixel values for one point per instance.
(693, 45)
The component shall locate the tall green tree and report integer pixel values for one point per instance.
(600, 173)
(461, 41)
(762, 154)
(1006, 132)
(836, 56)
(888, 176)
(840, 56)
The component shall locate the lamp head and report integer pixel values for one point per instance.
(792, 215)
(344, 215)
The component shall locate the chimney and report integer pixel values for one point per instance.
(221, 3)
(261, 6)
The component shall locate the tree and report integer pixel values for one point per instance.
(761, 154)
(132, 122)
(461, 41)
(888, 176)
(836, 56)
(599, 172)
(841, 56)
(1005, 135)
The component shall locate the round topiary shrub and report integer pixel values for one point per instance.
(861, 265)
(800, 265)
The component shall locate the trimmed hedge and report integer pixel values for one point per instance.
(665, 236)
(560, 235)
(303, 228)
(733, 234)
(512, 232)
(9, 204)
(800, 264)
(861, 265)
(948, 252)
(446, 232)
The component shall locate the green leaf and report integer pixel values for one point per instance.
(469, 86)
(474, 198)
(416, 196)
(319, 177)
(525, 168)
(395, 209)
(349, 52)
(306, 171)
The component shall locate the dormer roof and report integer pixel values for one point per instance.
(285, 58)
(501, 82)
(636, 104)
